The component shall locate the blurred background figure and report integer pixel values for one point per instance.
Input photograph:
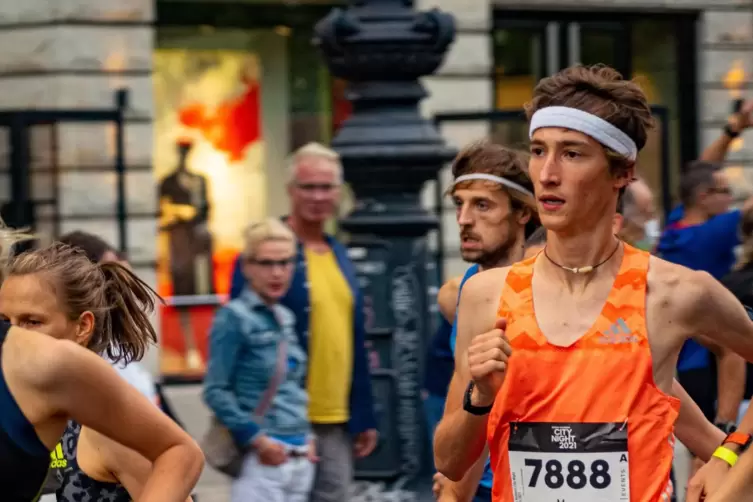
(327, 302)
(440, 364)
(640, 226)
(255, 381)
(702, 233)
(99, 251)
(535, 243)
(184, 213)
(740, 282)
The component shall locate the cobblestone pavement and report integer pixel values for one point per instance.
(362, 492)
(214, 487)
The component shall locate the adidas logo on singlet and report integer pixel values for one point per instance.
(618, 333)
(57, 459)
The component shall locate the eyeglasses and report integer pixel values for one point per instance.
(720, 190)
(316, 187)
(271, 263)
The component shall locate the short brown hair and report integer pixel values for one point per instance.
(490, 158)
(92, 245)
(486, 157)
(120, 301)
(601, 91)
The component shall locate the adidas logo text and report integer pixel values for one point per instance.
(57, 459)
(618, 333)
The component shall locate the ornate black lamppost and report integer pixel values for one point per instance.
(389, 151)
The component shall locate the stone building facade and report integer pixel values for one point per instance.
(74, 54)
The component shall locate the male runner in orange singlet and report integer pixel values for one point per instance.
(573, 396)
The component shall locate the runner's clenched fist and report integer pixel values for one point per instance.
(487, 360)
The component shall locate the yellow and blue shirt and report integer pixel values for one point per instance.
(330, 340)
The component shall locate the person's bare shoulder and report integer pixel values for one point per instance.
(447, 298)
(42, 361)
(477, 312)
(34, 357)
(678, 300)
(483, 290)
(677, 290)
(692, 304)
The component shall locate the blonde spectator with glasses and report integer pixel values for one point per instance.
(255, 377)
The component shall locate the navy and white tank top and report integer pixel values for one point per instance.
(24, 459)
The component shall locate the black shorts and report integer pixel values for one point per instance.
(700, 384)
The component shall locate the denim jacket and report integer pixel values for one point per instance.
(242, 358)
(297, 299)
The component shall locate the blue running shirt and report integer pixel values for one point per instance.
(486, 479)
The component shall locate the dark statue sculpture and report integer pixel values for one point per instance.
(184, 214)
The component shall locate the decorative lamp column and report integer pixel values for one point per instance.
(389, 151)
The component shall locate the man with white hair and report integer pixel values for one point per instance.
(640, 227)
(326, 300)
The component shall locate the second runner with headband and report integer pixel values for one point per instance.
(495, 210)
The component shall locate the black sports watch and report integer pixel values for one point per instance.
(469, 407)
(726, 427)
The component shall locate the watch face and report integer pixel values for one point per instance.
(727, 427)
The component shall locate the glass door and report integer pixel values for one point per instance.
(592, 43)
(520, 60)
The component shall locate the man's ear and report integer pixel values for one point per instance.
(624, 179)
(617, 223)
(524, 215)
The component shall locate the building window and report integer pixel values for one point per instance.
(519, 61)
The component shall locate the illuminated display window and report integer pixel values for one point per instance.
(237, 87)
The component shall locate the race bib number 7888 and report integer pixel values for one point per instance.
(569, 462)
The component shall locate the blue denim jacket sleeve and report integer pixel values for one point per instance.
(224, 348)
(237, 281)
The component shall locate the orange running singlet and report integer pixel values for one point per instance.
(584, 423)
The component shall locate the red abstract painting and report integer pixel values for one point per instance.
(232, 126)
(208, 103)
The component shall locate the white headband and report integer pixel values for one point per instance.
(587, 123)
(495, 179)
